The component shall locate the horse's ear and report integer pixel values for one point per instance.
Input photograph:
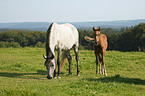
(49, 57)
(99, 29)
(45, 57)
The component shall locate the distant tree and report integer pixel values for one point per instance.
(83, 42)
(9, 44)
(139, 36)
(125, 41)
(23, 38)
(40, 44)
(122, 30)
(113, 41)
(132, 39)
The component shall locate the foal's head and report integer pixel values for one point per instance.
(96, 34)
(96, 31)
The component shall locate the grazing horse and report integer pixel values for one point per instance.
(100, 46)
(60, 37)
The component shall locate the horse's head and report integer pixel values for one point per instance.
(96, 31)
(50, 65)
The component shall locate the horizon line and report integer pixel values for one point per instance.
(70, 21)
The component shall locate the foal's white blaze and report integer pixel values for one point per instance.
(96, 37)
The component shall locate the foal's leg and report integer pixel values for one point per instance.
(103, 64)
(69, 60)
(100, 62)
(97, 60)
(77, 59)
(58, 62)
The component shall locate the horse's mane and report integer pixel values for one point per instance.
(48, 33)
(48, 51)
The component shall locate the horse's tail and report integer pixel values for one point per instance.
(63, 60)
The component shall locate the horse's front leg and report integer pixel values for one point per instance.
(58, 62)
(55, 73)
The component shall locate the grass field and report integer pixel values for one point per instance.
(22, 72)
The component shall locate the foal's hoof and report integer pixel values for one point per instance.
(59, 77)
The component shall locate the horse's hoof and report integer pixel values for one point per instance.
(78, 75)
(69, 74)
(96, 73)
(106, 75)
(59, 77)
(48, 77)
(55, 77)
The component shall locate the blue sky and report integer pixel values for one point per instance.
(70, 10)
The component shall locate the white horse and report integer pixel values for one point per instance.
(60, 37)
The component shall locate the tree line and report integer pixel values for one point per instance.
(20, 38)
(126, 39)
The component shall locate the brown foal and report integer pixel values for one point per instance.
(100, 46)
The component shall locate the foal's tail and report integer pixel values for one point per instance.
(63, 60)
(89, 38)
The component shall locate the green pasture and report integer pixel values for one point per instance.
(22, 73)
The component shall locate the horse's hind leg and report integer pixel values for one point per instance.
(58, 62)
(77, 59)
(69, 60)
